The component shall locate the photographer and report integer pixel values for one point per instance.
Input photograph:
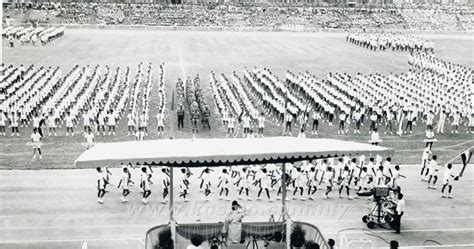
(399, 213)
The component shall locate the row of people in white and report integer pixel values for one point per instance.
(303, 180)
(396, 41)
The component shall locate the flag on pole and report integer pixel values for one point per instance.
(465, 158)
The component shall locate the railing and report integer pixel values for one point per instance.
(297, 28)
(253, 234)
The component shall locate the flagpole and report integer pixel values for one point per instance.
(171, 116)
(456, 157)
(467, 160)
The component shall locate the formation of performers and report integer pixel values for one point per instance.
(98, 96)
(304, 180)
(433, 92)
(25, 35)
(191, 95)
(394, 41)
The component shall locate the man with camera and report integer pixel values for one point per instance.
(399, 213)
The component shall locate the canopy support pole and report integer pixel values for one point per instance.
(283, 192)
(172, 221)
(171, 194)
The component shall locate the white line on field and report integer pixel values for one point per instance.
(418, 230)
(74, 227)
(74, 240)
(405, 219)
(333, 220)
(437, 246)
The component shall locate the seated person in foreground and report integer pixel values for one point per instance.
(277, 243)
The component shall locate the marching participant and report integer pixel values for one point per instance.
(206, 183)
(111, 122)
(131, 123)
(86, 119)
(288, 122)
(244, 183)
(23, 117)
(311, 183)
(354, 173)
(388, 173)
(357, 116)
(389, 122)
(303, 123)
(145, 184)
(246, 124)
(184, 185)
(124, 183)
(441, 122)
(36, 141)
(101, 118)
(51, 124)
(264, 184)
(342, 123)
(379, 176)
(140, 134)
(101, 182)
(230, 125)
(3, 121)
(433, 172)
(261, 124)
(424, 163)
(456, 122)
(329, 176)
(143, 123)
(448, 179)
(396, 178)
(344, 182)
(375, 137)
(14, 122)
(69, 120)
(316, 117)
(224, 184)
(165, 183)
(298, 178)
(89, 136)
(160, 116)
(373, 121)
(470, 128)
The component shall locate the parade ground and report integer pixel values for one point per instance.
(58, 209)
(49, 204)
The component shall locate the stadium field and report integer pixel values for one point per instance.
(190, 53)
(48, 204)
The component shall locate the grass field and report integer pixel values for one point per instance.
(57, 209)
(191, 53)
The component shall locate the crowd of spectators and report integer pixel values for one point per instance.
(110, 14)
(430, 19)
(272, 16)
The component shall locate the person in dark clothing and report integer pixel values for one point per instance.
(205, 119)
(180, 113)
(399, 213)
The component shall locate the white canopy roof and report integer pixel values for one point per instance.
(218, 151)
